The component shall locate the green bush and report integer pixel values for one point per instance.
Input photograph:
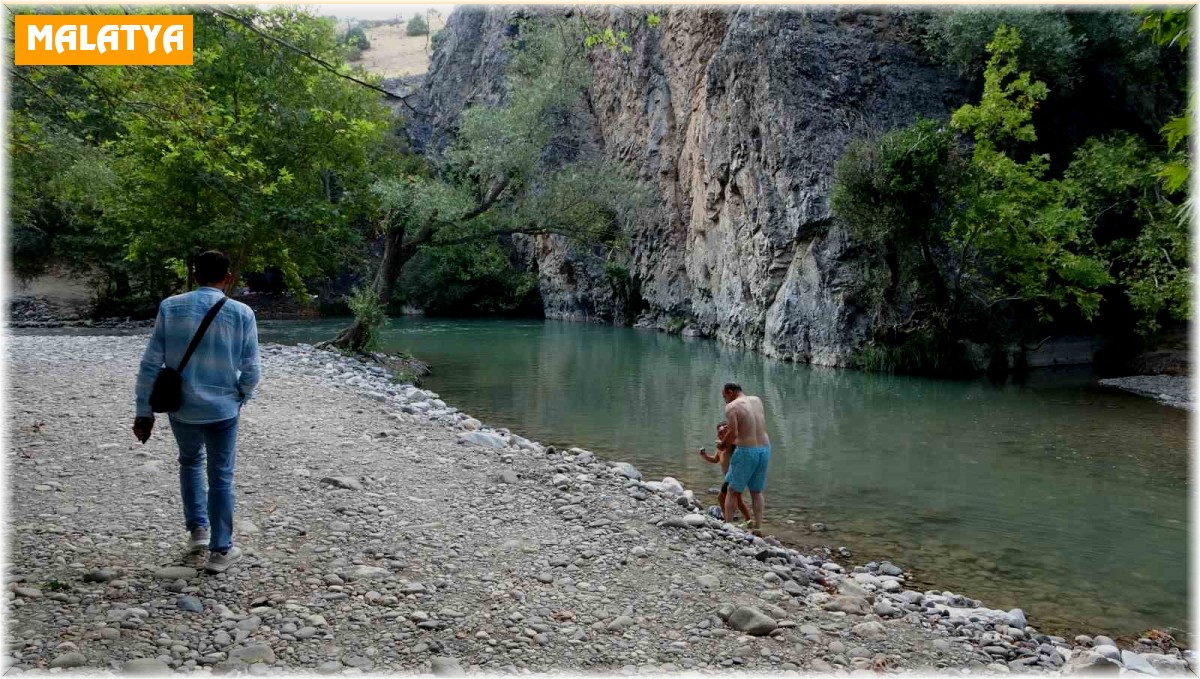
(370, 315)
(356, 38)
(417, 26)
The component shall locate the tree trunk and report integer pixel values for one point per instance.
(394, 259)
(396, 254)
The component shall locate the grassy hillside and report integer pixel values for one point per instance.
(393, 53)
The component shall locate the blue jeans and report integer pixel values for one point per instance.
(212, 507)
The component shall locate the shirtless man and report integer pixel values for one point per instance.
(748, 465)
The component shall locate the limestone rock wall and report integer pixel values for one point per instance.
(736, 116)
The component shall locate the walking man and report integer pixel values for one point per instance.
(218, 378)
(747, 432)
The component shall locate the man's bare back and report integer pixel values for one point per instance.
(749, 421)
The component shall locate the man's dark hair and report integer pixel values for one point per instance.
(211, 267)
(734, 387)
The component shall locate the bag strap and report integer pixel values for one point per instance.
(208, 319)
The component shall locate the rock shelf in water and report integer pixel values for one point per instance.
(385, 531)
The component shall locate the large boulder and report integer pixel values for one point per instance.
(848, 604)
(751, 621)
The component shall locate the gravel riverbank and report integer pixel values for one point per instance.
(1171, 390)
(385, 531)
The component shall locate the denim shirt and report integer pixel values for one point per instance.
(223, 371)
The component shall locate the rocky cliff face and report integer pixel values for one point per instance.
(736, 117)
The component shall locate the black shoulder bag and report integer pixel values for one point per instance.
(167, 394)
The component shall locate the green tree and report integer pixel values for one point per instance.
(417, 26)
(263, 147)
(498, 179)
(356, 38)
(1015, 225)
(1114, 182)
(984, 247)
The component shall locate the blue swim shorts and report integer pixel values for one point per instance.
(748, 469)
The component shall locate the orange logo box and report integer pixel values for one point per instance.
(106, 40)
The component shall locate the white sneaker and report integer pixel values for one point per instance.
(219, 561)
(200, 539)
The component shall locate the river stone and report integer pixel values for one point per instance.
(848, 604)
(1137, 663)
(620, 624)
(708, 581)
(28, 592)
(483, 438)
(819, 665)
(852, 588)
(510, 477)
(888, 568)
(1101, 640)
(1090, 662)
(176, 573)
(694, 520)
(346, 482)
(1166, 664)
(100, 575)
(145, 666)
(1016, 618)
(751, 621)
(365, 573)
(68, 660)
(254, 653)
(672, 486)
(190, 604)
(627, 470)
(885, 610)
(870, 630)
(446, 667)
(1108, 651)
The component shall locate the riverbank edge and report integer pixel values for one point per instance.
(953, 610)
(1169, 390)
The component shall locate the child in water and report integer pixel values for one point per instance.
(722, 456)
